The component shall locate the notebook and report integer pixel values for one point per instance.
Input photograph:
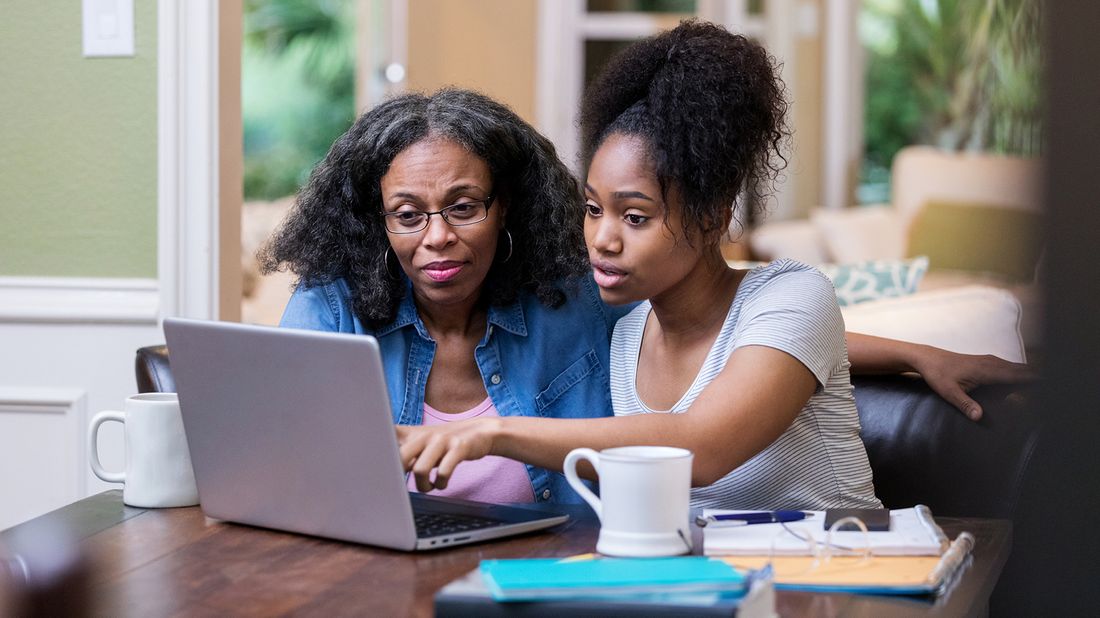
(292, 430)
(552, 578)
(470, 596)
(913, 532)
(900, 575)
(914, 557)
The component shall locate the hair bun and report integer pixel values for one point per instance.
(713, 113)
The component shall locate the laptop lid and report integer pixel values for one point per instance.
(291, 429)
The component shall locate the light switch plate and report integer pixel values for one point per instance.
(108, 28)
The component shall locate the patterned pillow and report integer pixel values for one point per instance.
(860, 282)
(875, 279)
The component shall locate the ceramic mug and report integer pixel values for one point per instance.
(645, 494)
(158, 469)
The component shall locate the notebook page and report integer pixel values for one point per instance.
(912, 533)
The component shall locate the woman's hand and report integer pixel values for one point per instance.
(442, 448)
(953, 375)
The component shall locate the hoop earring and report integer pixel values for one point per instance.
(509, 256)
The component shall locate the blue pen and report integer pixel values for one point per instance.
(754, 517)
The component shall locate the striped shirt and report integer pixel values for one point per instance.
(819, 462)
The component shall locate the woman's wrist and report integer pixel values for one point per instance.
(917, 357)
(495, 429)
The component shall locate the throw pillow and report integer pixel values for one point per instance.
(864, 281)
(978, 238)
(875, 279)
(797, 239)
(860, 234)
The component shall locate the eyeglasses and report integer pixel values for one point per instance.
(462, 213)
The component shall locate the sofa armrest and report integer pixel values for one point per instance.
(923, 451)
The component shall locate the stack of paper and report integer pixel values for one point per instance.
(912, 532)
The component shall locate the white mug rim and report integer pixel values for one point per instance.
(644, 454)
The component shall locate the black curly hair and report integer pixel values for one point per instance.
(710, 108)
(335, 228)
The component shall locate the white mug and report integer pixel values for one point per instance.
(158, 464)
(645, 494)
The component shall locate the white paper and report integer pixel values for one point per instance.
(910, 534)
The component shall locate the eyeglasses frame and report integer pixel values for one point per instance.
(442, 215)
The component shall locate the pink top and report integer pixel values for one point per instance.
(493, 479)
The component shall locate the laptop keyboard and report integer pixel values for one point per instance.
(438, 524)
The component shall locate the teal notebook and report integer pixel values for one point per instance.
(554, 578)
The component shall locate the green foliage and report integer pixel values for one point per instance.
(958, 74)
(298, 89)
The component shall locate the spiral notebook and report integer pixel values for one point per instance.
(913, 532)
(902, 575)
(914, 557)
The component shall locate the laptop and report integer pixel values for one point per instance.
(292, 430)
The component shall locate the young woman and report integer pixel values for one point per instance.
(747, 369)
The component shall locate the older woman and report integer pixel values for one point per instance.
(446, 227)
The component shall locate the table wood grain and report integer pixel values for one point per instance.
(175, 562)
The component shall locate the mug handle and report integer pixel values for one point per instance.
(93, 446)
(570, 469)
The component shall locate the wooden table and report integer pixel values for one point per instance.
(158, 562)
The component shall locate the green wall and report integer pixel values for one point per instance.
(78, 147)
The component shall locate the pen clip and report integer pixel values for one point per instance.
(709, 520)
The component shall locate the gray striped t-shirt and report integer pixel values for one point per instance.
(819, 462)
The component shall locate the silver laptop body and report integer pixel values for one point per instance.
(292, 430)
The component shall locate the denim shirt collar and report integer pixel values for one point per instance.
(510, 317)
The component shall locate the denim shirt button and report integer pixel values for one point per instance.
(495, 379)
(546, 494)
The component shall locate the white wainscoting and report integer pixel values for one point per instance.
(40, 450)
(66, 352)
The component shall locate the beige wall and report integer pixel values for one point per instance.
(487, 45)
(78, 147)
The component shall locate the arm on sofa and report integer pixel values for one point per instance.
(949, 374)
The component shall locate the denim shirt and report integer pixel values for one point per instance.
(534, 361)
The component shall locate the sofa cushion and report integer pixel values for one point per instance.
(978, 238)
(797, 239)
(970, 320)
(859, 234)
